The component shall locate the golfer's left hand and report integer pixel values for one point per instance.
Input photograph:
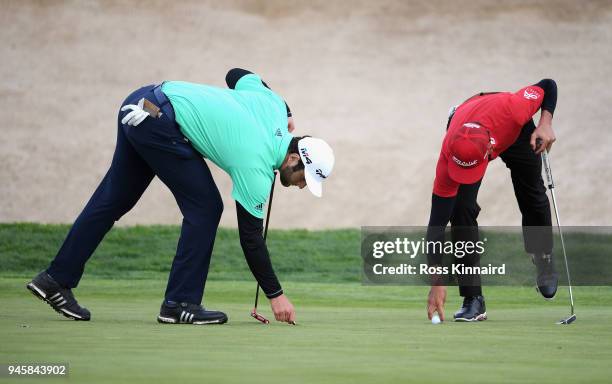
(543, 132)
(290, 124)
(283, 309)
(137, 114)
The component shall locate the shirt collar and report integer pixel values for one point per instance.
(282, 149)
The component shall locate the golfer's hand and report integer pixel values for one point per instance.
(436, 300)
(290, 124)
(283, 309)
(543, 133)
(137, 114)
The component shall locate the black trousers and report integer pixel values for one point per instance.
(526, 172)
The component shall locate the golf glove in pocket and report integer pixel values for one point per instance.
(137, 114)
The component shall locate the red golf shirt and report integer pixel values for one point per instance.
(502, 114)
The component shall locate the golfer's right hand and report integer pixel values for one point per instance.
(436, 300)
(283, 309)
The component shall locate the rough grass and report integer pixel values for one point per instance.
(297, 255)
(147, 251)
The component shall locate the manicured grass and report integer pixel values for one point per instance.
(347, 333)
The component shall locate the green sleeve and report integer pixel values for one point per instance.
(251, 82)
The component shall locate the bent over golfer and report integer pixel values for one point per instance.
(165, 131)
(484, 127)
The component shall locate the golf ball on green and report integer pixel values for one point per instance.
(435, 319)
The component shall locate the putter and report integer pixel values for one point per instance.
(254, 313)
(551, 188)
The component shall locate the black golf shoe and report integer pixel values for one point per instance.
(473, 309)
(59, 298)
(547, 277)
(172, 312)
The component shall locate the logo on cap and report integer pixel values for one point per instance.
(468, 147)
(305, 155)
(465, 164)
(318, 159)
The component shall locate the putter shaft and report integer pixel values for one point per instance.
(551, 187)
(265, 235)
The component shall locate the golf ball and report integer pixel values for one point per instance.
(435, 319)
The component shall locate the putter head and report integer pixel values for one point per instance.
(569, 320)
(259, 317)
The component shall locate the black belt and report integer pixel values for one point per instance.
(163, 102)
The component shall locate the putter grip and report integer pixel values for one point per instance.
(547, 171)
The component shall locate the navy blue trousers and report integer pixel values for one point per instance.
(156, 147)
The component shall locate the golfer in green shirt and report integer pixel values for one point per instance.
(168, 131)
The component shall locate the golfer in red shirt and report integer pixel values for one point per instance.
(484, 127)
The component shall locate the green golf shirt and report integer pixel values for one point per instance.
(241, 130)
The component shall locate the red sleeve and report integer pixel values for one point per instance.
(525, 103)
(444, 186)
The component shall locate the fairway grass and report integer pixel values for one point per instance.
(346, 333)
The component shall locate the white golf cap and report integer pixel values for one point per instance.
(318, 159)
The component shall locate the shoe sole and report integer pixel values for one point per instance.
(545, 298)
(39, 293)
(481, 317)
(170, 320)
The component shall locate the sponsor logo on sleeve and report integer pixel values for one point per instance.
(531, 94)
(279, 133)
(259, 207)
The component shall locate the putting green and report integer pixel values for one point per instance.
(346, 333)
